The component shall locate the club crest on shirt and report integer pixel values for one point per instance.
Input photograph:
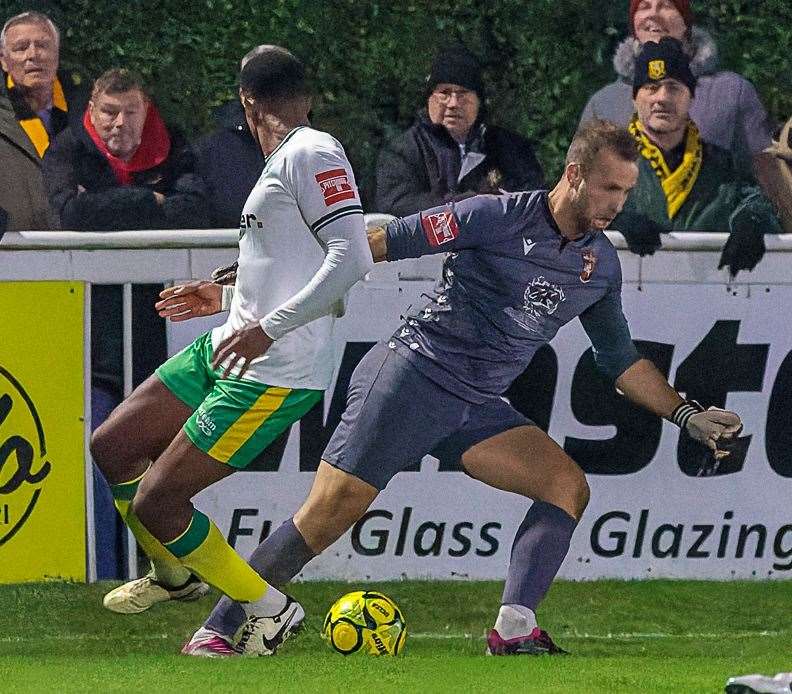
(440, 227)
(589, 263)
(541, 299)
(335, 186)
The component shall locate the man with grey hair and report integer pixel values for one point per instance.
(43, 98)
(36, 103)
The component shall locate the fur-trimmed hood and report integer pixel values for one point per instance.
(705, 59)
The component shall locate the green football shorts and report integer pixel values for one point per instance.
(233, 420)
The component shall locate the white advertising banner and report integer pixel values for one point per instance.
(652, 512)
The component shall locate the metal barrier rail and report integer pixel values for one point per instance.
(228, 238)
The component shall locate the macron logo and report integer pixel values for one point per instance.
(528, 245)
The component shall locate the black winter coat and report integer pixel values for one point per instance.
(73, 160)
(230, 162)
(421, 167)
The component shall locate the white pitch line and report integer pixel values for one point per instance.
(617, 636)
(621, 636)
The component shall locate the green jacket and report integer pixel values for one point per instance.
(22, 193)
(719, 198)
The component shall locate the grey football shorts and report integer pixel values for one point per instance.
(395, 416)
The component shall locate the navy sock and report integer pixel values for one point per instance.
(277, 560)
(539, 548)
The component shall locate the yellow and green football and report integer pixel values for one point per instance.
(365, 621)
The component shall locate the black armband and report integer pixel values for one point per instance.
(683, 412)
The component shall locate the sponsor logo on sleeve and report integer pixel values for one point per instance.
(440, 227)
(335, 186)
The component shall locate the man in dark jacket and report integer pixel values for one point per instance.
(230, 162)
(684, 182)
(450, 152)
(121, 168)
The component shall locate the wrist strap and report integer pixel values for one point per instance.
(228, 295)
(684, 411)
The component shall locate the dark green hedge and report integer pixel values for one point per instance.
(368, 58)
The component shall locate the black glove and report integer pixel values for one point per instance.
(745, 246)
(640, 232)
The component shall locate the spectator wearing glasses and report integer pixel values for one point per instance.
(451, 152)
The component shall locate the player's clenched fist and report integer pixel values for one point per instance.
(715, 428)
(190, 300)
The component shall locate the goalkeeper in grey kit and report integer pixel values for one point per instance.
(522, 265)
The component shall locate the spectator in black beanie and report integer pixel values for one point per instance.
(451, 152)
(684, 182)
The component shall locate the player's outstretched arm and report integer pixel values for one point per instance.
(190, 300)
(644, 385)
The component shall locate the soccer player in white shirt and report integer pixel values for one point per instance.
(212, 408)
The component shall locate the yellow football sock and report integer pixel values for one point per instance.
(203, 549)
(167, 568)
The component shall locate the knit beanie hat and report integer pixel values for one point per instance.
(664, 60)
(456, 65)
(682, 5)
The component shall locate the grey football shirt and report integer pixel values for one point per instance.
(512, 281)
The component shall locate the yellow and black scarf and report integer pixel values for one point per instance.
(676, 184)
(33, 125)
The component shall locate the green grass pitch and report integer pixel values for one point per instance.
(653, 636)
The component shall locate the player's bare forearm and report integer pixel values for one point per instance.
(644, 385)
(378, 243)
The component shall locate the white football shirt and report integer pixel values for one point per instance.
(307, 183)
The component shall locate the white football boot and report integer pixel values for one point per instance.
(138, 595)
(262, 635)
